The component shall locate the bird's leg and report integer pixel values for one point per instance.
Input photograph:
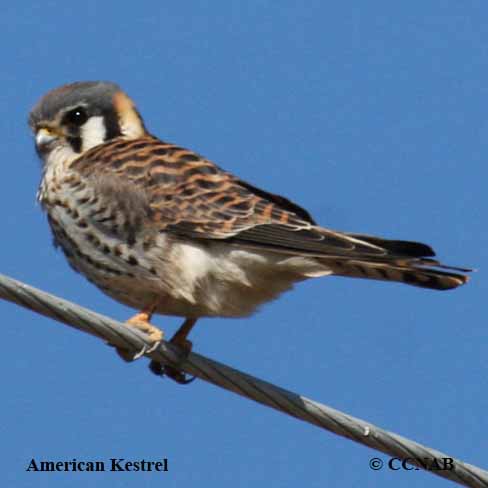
(179, 339)
(141, 322)
(180, 336)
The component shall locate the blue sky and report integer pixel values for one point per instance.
(371, 115)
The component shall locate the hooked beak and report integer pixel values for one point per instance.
(44, 137)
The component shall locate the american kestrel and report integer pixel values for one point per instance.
(164, 230)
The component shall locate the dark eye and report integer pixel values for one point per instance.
(77, 116)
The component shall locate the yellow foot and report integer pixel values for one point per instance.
(141, 322)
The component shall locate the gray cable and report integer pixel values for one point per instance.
(243, 384)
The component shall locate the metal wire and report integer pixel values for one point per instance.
(243, 384)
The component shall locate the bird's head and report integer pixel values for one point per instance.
(78, 116)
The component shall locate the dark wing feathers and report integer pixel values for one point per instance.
(280, 201)
(401, 248)
(314, 240)
(191, 197)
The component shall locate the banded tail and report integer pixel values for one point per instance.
(404, 261)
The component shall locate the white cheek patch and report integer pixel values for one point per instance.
(93, 133)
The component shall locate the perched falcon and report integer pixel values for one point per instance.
(164, 230)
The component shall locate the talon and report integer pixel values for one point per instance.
(177, 375)
(129, 356)
(154, 346)
(126, 354)
(172, 373)
(156, 368)
(180, 340)
(141, 353)
(141, 322)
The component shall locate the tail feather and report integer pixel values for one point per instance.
(413, 273)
